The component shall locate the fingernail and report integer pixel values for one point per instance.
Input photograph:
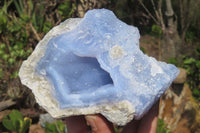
(91, 122)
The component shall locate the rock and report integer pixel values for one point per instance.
(180, 112)
(181, 78)
(46, 118)
(94, 65)
(36, 128)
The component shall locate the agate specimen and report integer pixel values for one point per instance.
(94, 65)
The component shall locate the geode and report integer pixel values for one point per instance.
(94, 65)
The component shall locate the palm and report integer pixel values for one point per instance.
(78, 124)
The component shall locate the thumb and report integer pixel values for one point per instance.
(99, 124)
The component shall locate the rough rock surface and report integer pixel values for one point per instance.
(181, 78)
(179, 110)
(94, 65)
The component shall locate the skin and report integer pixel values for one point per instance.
(98, 124)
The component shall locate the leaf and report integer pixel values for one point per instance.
(30, 3)
(161, 127)
(17, 125)
(198, 64)
(1, 73)
(47, 26)
(189, 61)
(72, 10)
(25, 125)
(34, 21)
(21, 6)
(156, 29)
(172, 61)
(16, 115)
(65, 9)
(196, 93)
(17, 7)
(2, 46)
(197, 51)
(15, 122)
(49, 128)
(11, 61)
(57, 127)
(8, 124)
(5, 57)
(60, 126)
(14, 75)
(3, 19)
(25, 17)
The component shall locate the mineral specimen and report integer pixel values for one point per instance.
(94, 65)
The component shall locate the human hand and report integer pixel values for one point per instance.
(98, 124)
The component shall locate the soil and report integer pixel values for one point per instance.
(150, 45)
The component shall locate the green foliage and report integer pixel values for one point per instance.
(56, 127)
(20, 30)
(66, 9)
(192, 66)
(46, 27)
(116, 130)
(14, 74)
(16, 29)
(193, 33)
(22, 25)
(190, 36)
(32, 14)
(15, 122)
(173, 61)
(3, 16)
(156, 30)
(162, 127)
(143, 50)
(196, 93)
(1, 73)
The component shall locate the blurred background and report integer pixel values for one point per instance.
(170, 32)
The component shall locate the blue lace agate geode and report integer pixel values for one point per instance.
(97, 65)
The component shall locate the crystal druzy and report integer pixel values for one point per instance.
(94, 65)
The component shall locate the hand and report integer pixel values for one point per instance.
(98, 124)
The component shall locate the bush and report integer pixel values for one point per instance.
(22, 24)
